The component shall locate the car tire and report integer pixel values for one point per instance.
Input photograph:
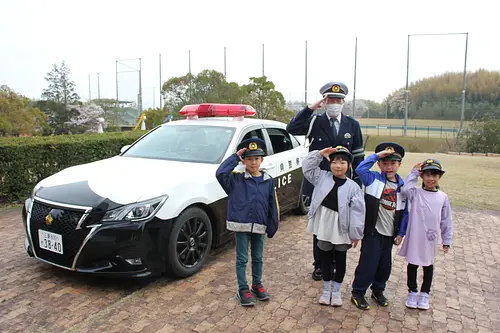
(303, 204)
(189, 243)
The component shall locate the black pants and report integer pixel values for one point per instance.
(318, 258)
(375, 263)
(326, 264)
(411, 273)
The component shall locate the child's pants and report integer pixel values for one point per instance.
(326, 264)
(411, 273)
(375, 263)
(256, 242)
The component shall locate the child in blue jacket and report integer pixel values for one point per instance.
(385, 222)
(252, 212)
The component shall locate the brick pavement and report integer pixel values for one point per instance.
(36, 297)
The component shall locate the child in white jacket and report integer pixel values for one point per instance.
(336, 215)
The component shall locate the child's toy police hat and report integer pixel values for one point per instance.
(334, 90)
(432, 164)
(341, 150)
(255, 147)
(397, 151)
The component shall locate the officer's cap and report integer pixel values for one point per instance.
(334, 90)
(342, 150)
(432, 164)
(397, 151)
(255, 147)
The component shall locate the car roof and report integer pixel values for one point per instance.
(226, 122)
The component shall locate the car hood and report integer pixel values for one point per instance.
(122, 180)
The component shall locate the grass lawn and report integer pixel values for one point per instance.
(469, 181)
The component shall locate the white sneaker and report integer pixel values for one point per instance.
(423, 301)
(336, 299)
(325, 297)
(411, 301)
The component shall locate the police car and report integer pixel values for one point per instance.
(157, 206)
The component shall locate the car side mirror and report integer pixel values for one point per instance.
(124, 148)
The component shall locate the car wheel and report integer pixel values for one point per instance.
(189, 243)
(303, 203)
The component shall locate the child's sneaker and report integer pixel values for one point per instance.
(360, 301)
(245, 297)
(423, 301)
(259, 292)
(336, 299)
(325, 297)
(411, 301)
(380, 298)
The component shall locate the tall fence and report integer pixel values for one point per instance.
(411, 131)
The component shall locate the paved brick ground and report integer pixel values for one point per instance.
(35, 297)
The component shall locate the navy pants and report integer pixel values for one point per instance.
(375, 261)
(256, 241)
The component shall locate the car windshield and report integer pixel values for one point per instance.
(186, 143)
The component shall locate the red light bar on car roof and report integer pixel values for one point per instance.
(217, 110)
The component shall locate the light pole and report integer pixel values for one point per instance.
(462, 111)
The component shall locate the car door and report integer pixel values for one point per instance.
(287, 158)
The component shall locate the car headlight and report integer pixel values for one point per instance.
(140, 211)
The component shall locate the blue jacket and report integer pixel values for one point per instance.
(374, 186)
(252, 203)
(321, 136)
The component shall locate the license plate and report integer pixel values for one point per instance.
(50, 241)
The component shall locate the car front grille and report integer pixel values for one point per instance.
(64, 223)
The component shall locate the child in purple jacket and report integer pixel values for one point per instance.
(430, 213)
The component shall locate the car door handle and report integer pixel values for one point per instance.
(269, 166)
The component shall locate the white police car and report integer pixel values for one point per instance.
(157, 207)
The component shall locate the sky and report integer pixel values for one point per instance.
(91, 36)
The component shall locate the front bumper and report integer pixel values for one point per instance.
(123, 249)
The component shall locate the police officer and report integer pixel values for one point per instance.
(329, 129)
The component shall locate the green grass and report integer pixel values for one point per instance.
(417, 145)
(469, 181)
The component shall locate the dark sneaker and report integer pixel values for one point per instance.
(317, 275)
(360, 301)
(259, 292)
(379, 297)
(245, 297)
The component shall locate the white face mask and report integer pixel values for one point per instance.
(333, 110)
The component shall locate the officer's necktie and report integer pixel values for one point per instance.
(334, 127)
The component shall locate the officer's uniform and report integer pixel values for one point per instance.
(323, 135)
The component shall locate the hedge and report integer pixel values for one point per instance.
(24, 161)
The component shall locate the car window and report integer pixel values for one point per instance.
(186, 143)
(257, 133)
(280, 140)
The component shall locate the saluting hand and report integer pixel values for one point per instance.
(318, 104)
(384, 153)
(240, 152)
(326, 152)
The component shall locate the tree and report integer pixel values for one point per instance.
(439, 97)
(85, 116)
(208, 86)
(18, 115)
(154, 117)
(59, 94)
(484, 136)
(261, 94)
